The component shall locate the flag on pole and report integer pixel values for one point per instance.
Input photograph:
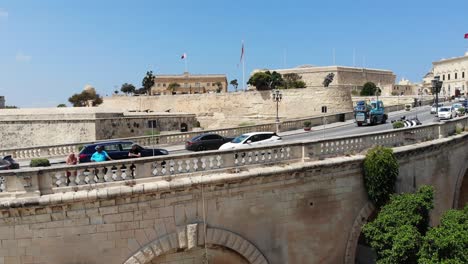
(242, 51)
(466, 35)
(184, 56)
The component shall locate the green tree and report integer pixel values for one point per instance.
(448, 242)
(396, 233)
(293, 80)
(380, 173)
(234, 84)
(127, 88)
(173, 86)
(62, 105)
(368, 89)
(85, 98)
(266, 80)
(148, 81)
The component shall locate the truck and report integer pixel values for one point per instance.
(371, 113)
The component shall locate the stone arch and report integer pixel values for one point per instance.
(353, 238)
(191, 236)
(461, 188)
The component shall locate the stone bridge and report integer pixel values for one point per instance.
(288, 203)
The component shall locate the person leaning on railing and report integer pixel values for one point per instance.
(100, 155)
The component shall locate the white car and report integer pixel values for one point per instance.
(251, 140)
(447, 112)
(434, 109)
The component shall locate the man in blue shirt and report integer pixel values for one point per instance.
(100, 155)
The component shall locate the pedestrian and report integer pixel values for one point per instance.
(100, 155)
(71, 159)
(135, 151)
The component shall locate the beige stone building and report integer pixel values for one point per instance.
(189, 84)
(405, 87)
(347, 77)
(2, 101)
(454, 74)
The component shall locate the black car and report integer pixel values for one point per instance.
(8, 163)
(206, 141)
(117, 150)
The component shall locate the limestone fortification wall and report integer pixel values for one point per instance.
(52, 126)
(217, 110)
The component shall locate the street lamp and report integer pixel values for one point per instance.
(277, 97)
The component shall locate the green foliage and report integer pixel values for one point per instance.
(152, 133)
(398, 124)
(462, 110)
(293, 80)
(354, 92)
(234, 84)
(173, 86)
(307, 123)
(62, 105)
(368, 89)
(397, 232)
(266, 80)
(246, 124)
(448, 242)
(11, 107)
(395, 93)
(86, 98)
(380, 172)
(39, 162)
(459, 128)
(80, 147)
(128, 88)
(148, 82)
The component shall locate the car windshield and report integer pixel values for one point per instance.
(239, 139)
(457, 105)
(444, 109)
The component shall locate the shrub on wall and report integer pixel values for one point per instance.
(39, 162)
(398, 124)
(380, 173)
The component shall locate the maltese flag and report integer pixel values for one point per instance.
(466, 35)
(184, 56)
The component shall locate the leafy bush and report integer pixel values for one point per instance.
(398, 124)
(380, 173)
(80, 147)
(39, 162)
(398, 230)
(307, 123)
(368, 89)
(459, 128)
(448, 242)
(462, 110)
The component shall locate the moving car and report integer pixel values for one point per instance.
(446, 112)
(434, 109)
(8, 163)
(117, 150)
(206, 141)
(370, 114)
(251, 140)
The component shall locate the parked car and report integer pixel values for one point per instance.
(251, 140)
(117, 150)
(446, 112)
(464, 103)
(206, 141)
(457, 106)
(8, 163)
(434, 109)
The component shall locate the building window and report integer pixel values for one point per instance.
(463, 75)
(164, 85)
(186, 85)
(448, 76)
(159, 85)
(213, 84)
(456, 75)
(443, 77)
(207, 84)
(197, 84)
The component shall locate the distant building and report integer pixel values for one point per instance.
(453, 73)
(346, 77)
(405, 87)
(2, 101)
(189, 84)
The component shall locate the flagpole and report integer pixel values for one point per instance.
(243, 73)
(186, 67)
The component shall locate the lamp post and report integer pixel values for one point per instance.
(277, 97)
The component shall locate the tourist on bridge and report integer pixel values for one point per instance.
(100, 155)
(135, 151)
(71, 159)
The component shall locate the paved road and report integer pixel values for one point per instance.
(347, 128)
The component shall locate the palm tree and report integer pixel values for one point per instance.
(235, 84)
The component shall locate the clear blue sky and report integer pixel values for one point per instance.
(50, 49)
